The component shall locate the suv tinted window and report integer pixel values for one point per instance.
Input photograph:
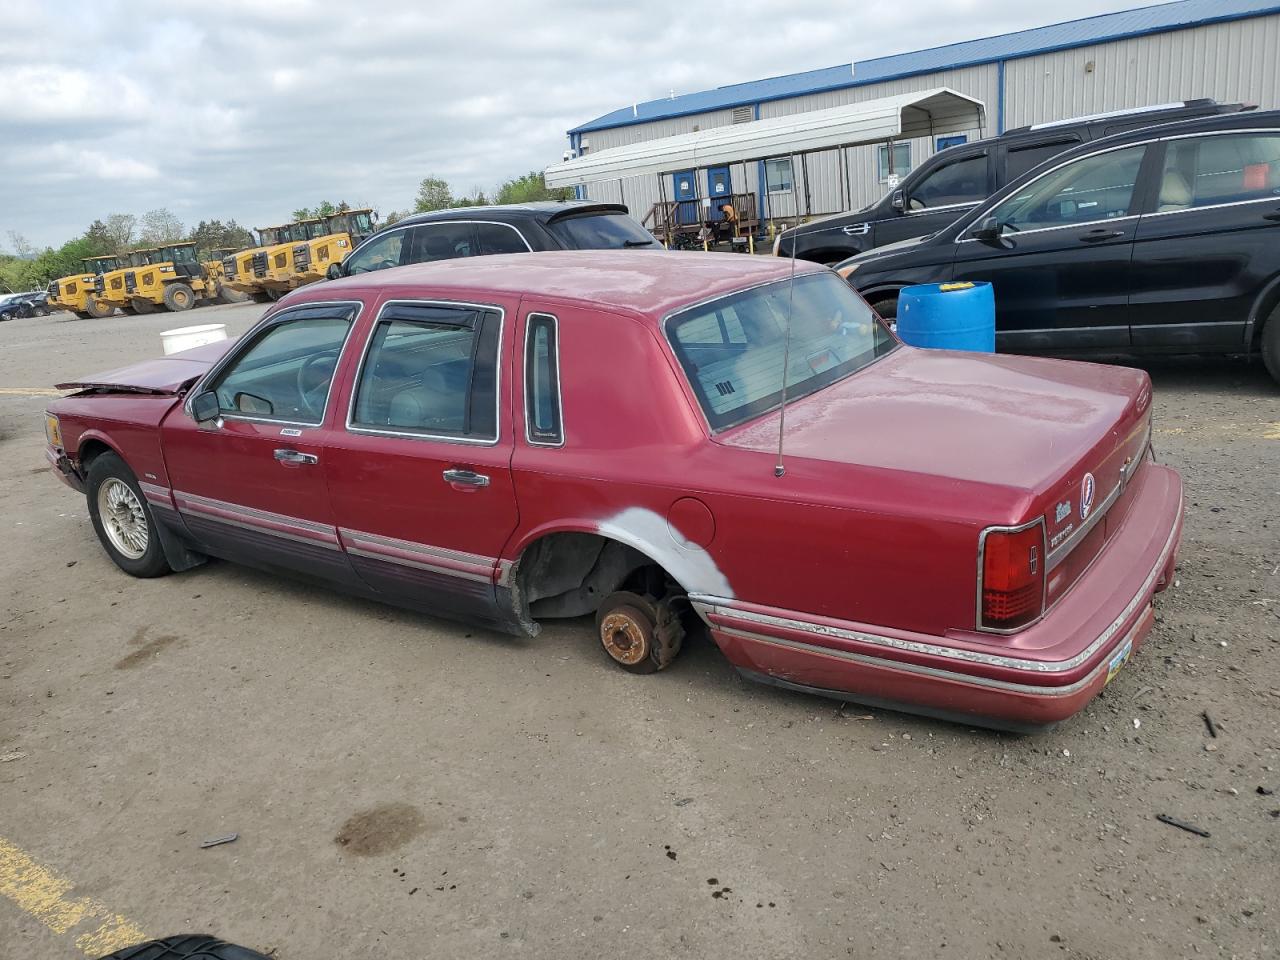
(440, 241)
(961, 181)
(430, 370)
(381, 252)
(499, 238)
(601, 231)
(1093, 188)
(1201, 171)
(1021, 159)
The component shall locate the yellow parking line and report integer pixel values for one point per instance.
(40, 892)
(1272, 432)
(29, 392)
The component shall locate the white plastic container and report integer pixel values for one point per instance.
(184, 338)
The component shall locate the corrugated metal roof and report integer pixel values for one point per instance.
(1009, 46)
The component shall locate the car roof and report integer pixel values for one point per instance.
(1252, 120)
(649, 283)
(544, 210)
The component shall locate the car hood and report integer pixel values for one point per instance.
(163, 375)
(1021, 423)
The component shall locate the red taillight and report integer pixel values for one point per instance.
(1012, 577)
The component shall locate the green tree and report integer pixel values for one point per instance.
(100, 238)
(216, 235)
(532, 186)
(322, 209)
(433, 194)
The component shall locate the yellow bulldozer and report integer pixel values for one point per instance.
(246, 270)
(313, 246)
(77, 293)
(281, 277)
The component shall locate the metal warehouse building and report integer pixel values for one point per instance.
(1225, 49)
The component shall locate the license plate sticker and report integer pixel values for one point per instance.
(1119, 660)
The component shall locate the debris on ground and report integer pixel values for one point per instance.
(218, 841)
(1182, 825)
(1209, 724)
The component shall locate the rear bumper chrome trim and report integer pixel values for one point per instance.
(708, 607)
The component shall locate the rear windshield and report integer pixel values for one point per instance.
(732, 349)
(601, 231)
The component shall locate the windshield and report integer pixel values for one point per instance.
(601, 231)
(732, 349)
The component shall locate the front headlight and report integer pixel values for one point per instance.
(52, 431)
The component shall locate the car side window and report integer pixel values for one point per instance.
(378, 254)
(286, 371)
(431, 370)
(542, 380)
(499, 238)
(440, 241)
(961, 181)
(1021, 159)
(1230, 168)
(1098, 187)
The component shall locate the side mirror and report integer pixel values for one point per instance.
(334, 271)
(205, 407)
(988, 229)
(898, 202)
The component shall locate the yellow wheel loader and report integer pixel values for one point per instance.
(281, 275)
(215, 273)
(344, 231)
(114, 286)
(246, 271)
(77, 294)
(170, 279)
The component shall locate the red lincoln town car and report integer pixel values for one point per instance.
(644, 436)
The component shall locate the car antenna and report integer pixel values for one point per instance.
(779, 469)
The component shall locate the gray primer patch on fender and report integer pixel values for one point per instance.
(647, 531)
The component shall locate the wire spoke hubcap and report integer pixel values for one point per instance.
(123, 518)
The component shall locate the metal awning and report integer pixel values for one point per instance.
(924, 114)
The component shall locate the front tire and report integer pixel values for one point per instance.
(179, 297)
(1271, 344)
(886, 307)
(97, 310)
(122, 519)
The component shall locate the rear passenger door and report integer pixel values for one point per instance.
(1208, 242)
(420, 478)
(443, 240)
(1016, 158)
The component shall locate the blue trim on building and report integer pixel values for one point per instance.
(1104, 28)
(761, 185)
(1000, 98)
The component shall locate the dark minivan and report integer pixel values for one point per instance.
(1161, 240)
(955, 180)
(509, 228)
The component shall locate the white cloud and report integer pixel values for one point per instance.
(248, 110)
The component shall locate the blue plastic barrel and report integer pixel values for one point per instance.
(948, 316)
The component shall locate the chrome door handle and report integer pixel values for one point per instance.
(295, 456)
(1093, 236)
(467, 477)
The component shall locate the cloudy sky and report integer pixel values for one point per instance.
(252, 108)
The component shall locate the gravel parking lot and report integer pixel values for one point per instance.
(404, 785)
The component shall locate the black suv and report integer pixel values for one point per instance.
(1163, 240)
(956, 179)
(478, 231)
